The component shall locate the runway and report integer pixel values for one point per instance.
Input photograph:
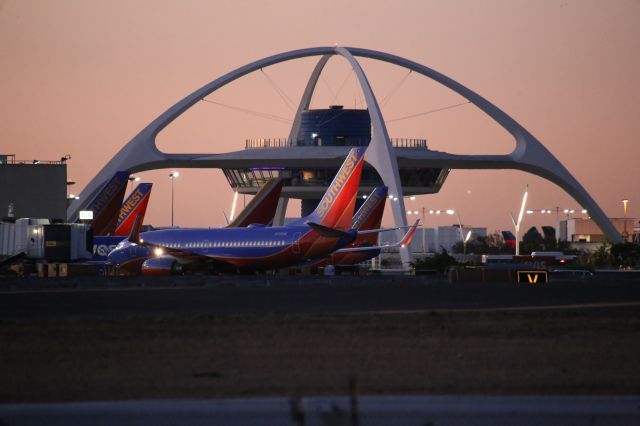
(219, 296)
(372, 411)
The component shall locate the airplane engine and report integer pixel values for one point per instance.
(164, 265)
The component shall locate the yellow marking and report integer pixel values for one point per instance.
(337, 184)
(131, 203)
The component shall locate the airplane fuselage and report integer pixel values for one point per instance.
(252, 247)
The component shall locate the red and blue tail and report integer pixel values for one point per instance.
(136, 204)
(106, 203)
(336, 207)
(369, 215)
(262, 207)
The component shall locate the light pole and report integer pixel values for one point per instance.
(449, 212)
(517, 224)
(173, 176)
(133, 179)
(625, 234)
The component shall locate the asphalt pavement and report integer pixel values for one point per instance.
(211, 296)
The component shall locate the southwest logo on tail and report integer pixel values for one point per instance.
(135, 204)
(106, 203)
(336, 207)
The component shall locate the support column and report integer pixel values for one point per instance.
(281, 211)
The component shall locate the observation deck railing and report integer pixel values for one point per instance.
(11, 159)
(289, 143)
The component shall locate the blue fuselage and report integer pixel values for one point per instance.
(252, 247)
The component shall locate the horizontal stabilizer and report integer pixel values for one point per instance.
(325, 231)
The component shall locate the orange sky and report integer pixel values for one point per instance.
(83, 77)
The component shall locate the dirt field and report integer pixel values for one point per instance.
(595, 351)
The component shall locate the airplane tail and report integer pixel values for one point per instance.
(134, 234)
(134, 204)
(335, 209)
(106, 203)
(369, 215)
(262, 207)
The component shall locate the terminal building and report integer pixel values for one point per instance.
(585, 230)
(33, 188)
(334, 127)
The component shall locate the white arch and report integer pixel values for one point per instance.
(141, 153)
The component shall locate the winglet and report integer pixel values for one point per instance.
(134, 236)
(406, 240)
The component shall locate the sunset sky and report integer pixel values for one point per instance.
(83, 77)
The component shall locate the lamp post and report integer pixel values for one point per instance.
(568, 213)
(173, 176)
(517, 224)
(625, 234)
(134, 179)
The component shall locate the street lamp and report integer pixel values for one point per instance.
(133, 179)
(567, 211)
(173, 176)
(517, 224)
(625, 234)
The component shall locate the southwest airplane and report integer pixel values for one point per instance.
(106, 204)
(134, 206)
(259, 212)
(368, 217)
(317, 235)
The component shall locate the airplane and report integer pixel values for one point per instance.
(368, 216)
(326, 229)
(135, 204)
(106, 204)
(259, 212)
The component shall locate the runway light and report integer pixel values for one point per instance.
(584, 211)
(415, 212)
(531, 211)
(158, 251)
(438, 212)
(566, 211)
(412, 198)
(390, 196)
(364, 197)
(409, 212)
(430, 211)
(450, 212)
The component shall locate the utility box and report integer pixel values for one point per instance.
(57, 242)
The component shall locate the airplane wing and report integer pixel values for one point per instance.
(406, 240)
(377, 231)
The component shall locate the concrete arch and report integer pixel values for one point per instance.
(141, 153)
